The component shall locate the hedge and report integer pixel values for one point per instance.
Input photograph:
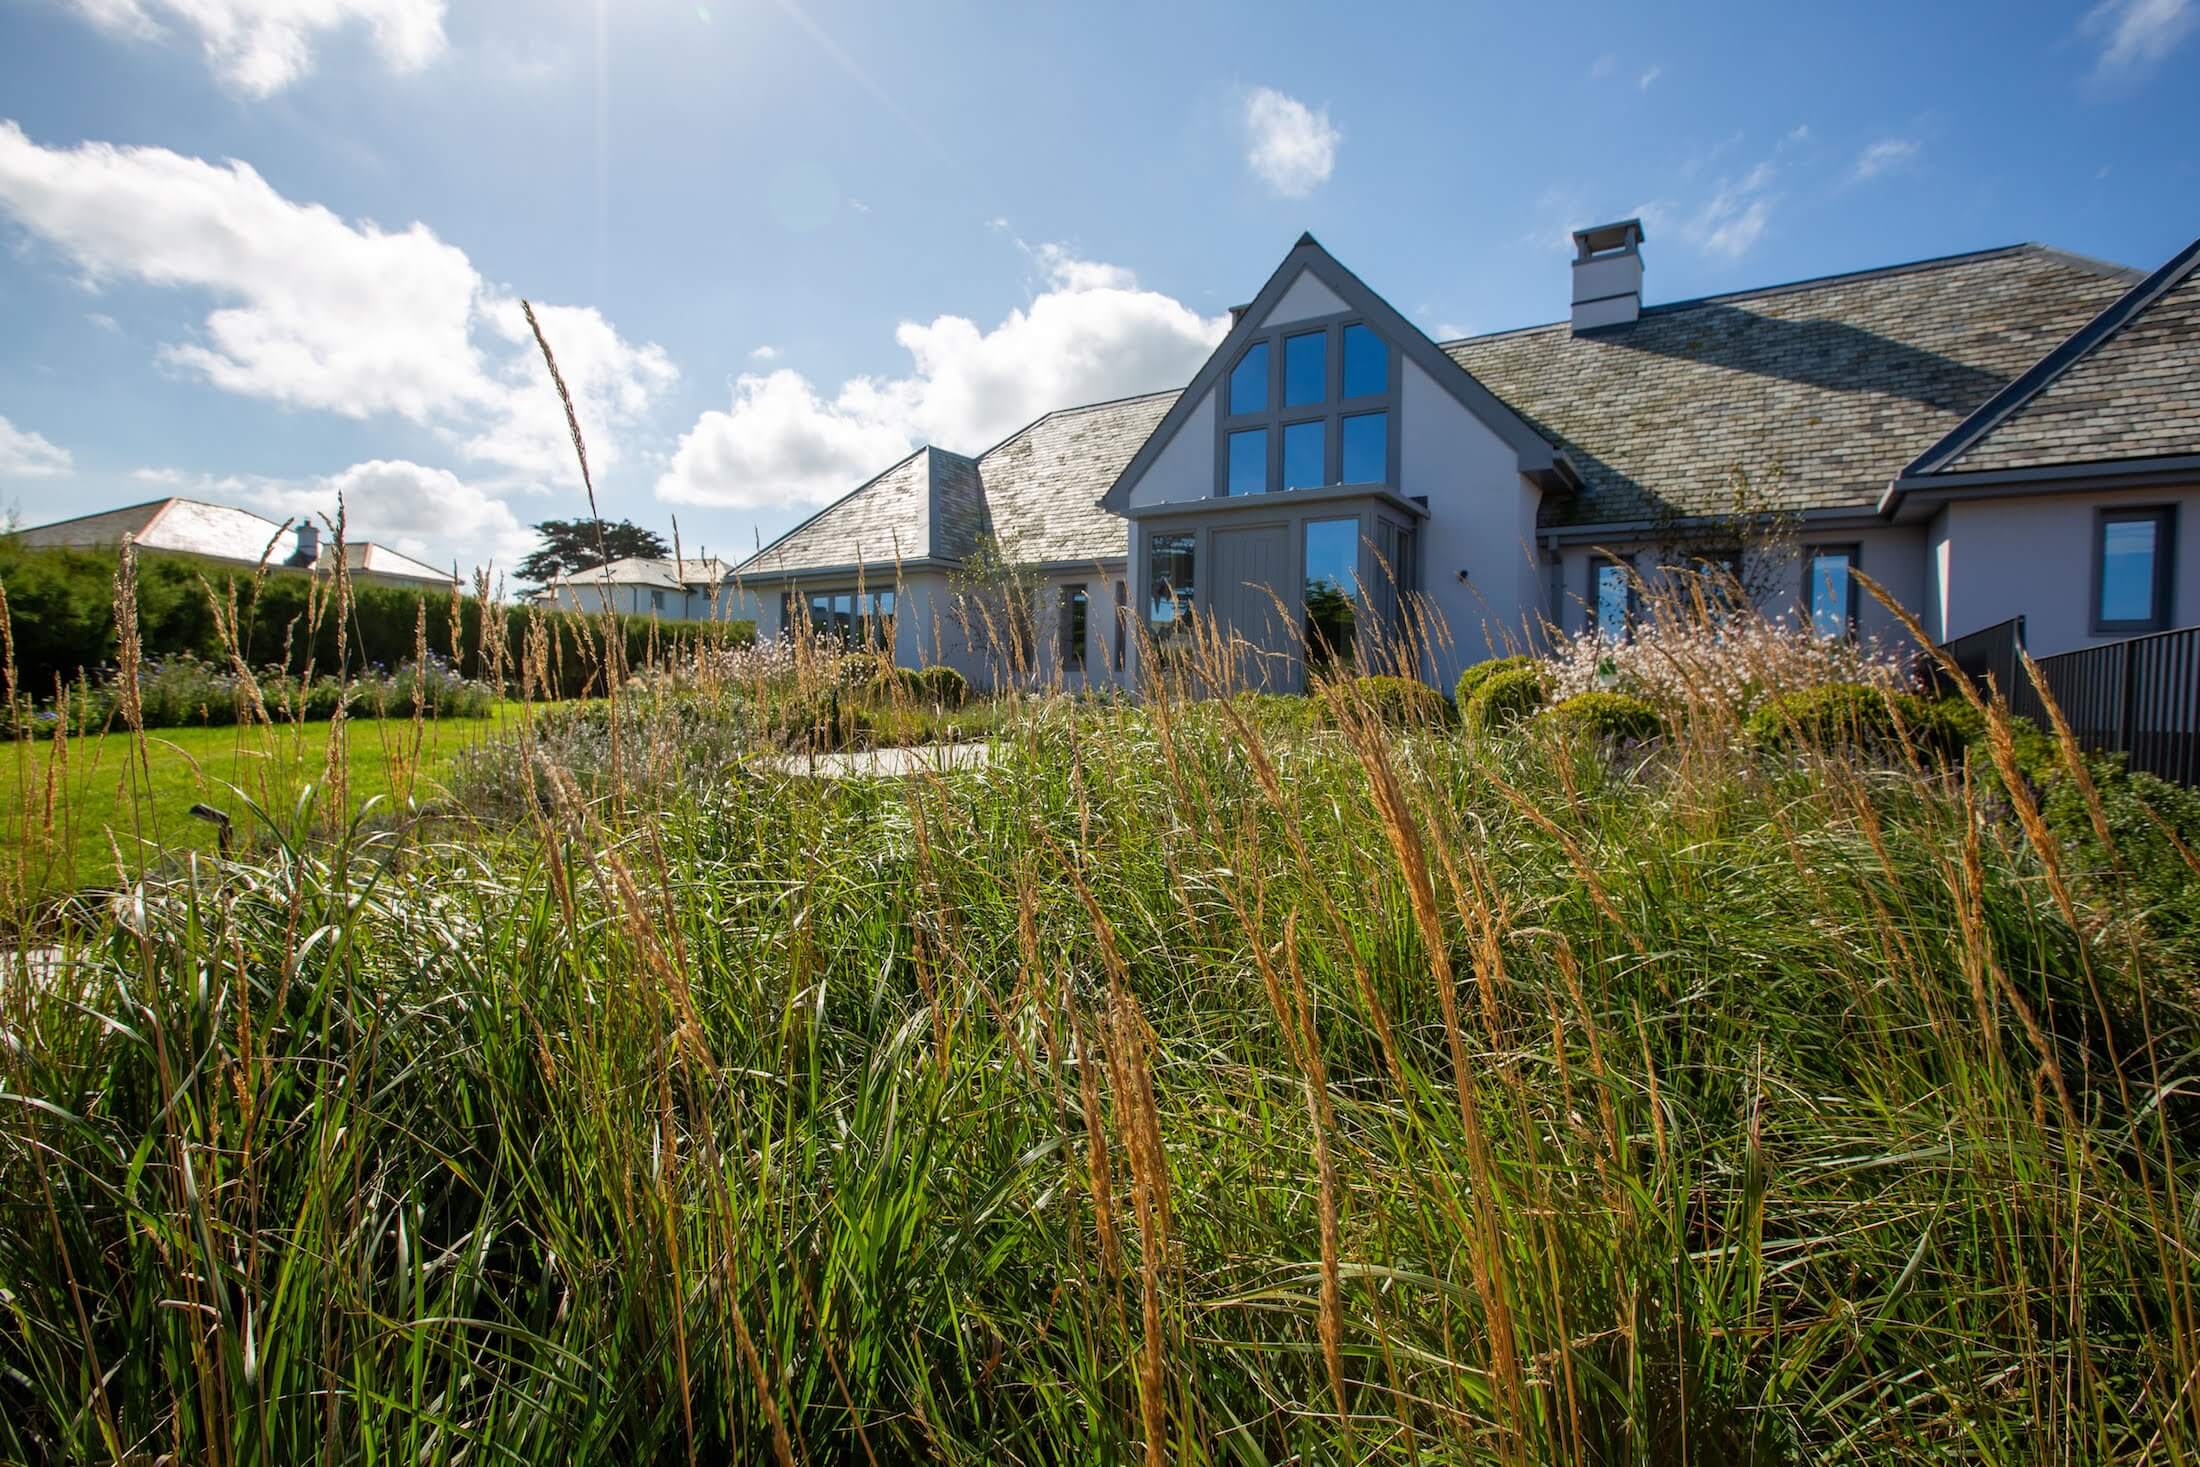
(61, 608)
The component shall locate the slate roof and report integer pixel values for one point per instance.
(1819, 391)
(220, 532)
(1038, 489)
(1044, 483)
(2126, 386)
(657, 572)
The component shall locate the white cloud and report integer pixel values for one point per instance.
(1094, 333)
(1644, 81)
(316, 312)
(1800, 133)
(1292, 147)
(1603, 67)
(427, 513)
(2135, 34)
(103, 321)
(259, 47)
(764, 354)
(1728, 224)
(1887, 153)
(28, 455)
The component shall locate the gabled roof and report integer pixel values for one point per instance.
(1817, 391)
(926, 508)
(219, 532)
(2125, 386)
(660, 573)
(369, 559)
(1539, 458)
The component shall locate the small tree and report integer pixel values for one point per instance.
(572, 546)
(996, 602)
(1752, 539)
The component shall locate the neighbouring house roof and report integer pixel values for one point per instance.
(220, 532)
(1817, 391)
(656, 573)
(2124, 386)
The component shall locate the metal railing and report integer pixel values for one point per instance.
(2139, 697)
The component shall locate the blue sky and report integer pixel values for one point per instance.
(270, 251)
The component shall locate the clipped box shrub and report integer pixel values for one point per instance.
(1470, 681)
(1620, 717)
(935, 687)
(828, 722)
(1855, 716)
(1505, 698)
(1396, 702)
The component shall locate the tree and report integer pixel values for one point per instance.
(570, 547)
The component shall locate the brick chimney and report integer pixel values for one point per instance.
(1607, 275)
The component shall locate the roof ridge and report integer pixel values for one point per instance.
(1838, 277)
(2042, 374)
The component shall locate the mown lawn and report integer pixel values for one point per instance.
(65, 822)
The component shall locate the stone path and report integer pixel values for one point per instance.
(884, 763)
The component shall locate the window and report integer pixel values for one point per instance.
(1171, 578)
(2131, 569)
(1332, 587)
(1249, 381)
(1305, 447)
(1831, 590)
(1366, 363)
(656, 601)
(1305, 368)
(1122, 600)
(865, 619)
(1366, 449)
(1284, 423)
(1074, 627)
(1249, 462)
(1612, 598)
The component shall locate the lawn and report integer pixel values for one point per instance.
(106, 803)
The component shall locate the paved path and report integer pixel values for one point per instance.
(883, 763)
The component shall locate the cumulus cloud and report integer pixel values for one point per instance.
(313, 311)
(28, 455)
(765, 353)
(2135, 34)
(259, 47)
(1886, 154)
(1092, 334)
(1290, 146)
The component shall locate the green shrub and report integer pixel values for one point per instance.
(1505, 698)
(1617, 716)
(934, 687)
(61, 608)
(1396, 702)
(828, 722)
(1855, 715)
(1279, 712)
(1470, 681)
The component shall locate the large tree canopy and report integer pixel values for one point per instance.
(570, 547)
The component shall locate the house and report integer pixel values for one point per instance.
(688, 589)
(2015, 429)
(179, 526)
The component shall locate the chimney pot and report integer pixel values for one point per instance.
(308, 553)
(1607, 275)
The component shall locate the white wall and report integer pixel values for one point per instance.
(1481, 520)
(1185, 467)
(1306, 298)
(2034, 556)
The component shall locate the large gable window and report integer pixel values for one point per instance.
(2131, 569)
(1285, 423)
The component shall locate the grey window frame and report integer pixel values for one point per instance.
(885, 627)
(1855, 554)
(1331, 411)
(1071, 652)
(2161, 618)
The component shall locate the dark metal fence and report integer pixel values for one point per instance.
(2139, 697)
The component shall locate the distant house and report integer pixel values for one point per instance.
(690, 589)
(223, 532)
(2013, 430)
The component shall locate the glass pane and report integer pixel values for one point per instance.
(1829, 593)
(1305, 368)
(1073, 629)
(821, 613)
(1248, 462)
(1612, 589)
(1367, 449)
(2127, 569)
(1249, 380)
(1304, 455)
(1366, 363)
(1332, 583)
(1169, 562)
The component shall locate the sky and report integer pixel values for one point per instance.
(272, 252)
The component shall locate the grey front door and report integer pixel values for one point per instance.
(1252, 568)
